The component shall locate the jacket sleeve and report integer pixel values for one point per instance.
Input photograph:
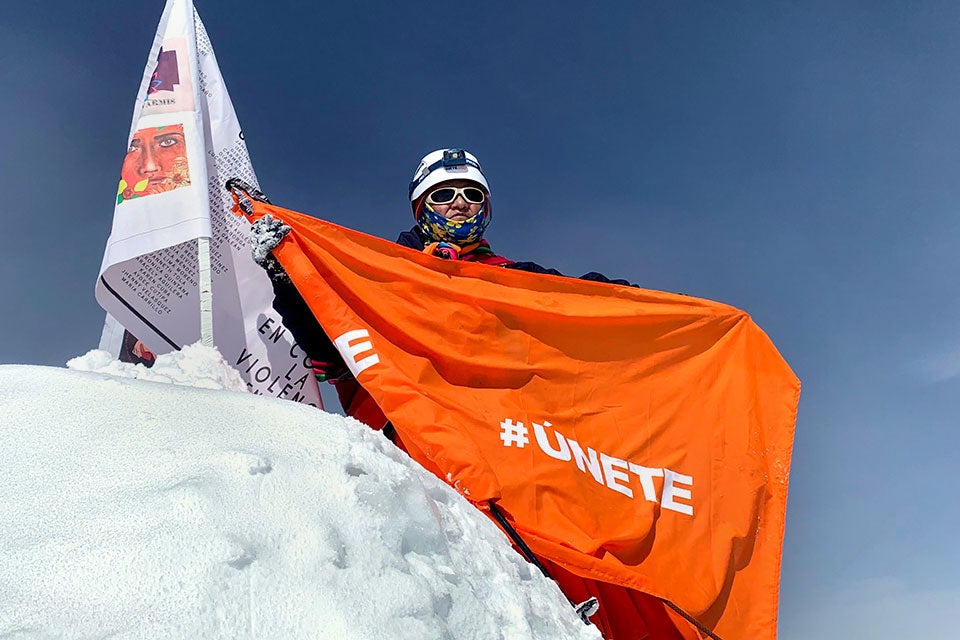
(593, 276)
(300, 321)
(411, 239)
(532, 267)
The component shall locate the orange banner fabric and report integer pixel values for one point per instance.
(634, 437)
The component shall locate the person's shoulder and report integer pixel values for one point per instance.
(593, 276)
(532, 267)
(411, 239)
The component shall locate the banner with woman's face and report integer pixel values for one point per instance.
(185, 142)
(156, 162)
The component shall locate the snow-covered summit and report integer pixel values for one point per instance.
(133, 509)
(192, 366)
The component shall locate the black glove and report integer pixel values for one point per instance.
(331, 371)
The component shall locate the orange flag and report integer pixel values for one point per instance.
(634, 437)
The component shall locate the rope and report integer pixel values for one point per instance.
(696, 623)
(517, 540)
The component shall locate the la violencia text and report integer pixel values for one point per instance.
(264, 379)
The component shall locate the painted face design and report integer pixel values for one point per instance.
(156, 162)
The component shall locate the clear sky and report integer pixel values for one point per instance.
(797, 160)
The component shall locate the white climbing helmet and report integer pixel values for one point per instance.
(446, 164)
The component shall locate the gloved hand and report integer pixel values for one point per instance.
(443, 250)
(330, 371)
(265, 236)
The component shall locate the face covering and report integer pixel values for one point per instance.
(461, 232)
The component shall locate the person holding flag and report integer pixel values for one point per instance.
(450, 198)
(633, 444)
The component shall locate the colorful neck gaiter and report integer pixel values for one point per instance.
(439, 229)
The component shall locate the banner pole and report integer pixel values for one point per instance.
(206, 292)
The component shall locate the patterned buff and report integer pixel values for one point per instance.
(439, 229)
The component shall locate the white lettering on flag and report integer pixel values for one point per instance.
(350, 349)
(611, 472)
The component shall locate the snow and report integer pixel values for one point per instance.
(193, 366)
(133, 509)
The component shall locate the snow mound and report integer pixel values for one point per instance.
(136, 510)
(195, 365)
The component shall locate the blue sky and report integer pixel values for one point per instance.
(797, 160)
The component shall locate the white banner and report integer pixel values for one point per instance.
(185, 142)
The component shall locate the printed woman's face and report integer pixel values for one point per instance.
(156, 161)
